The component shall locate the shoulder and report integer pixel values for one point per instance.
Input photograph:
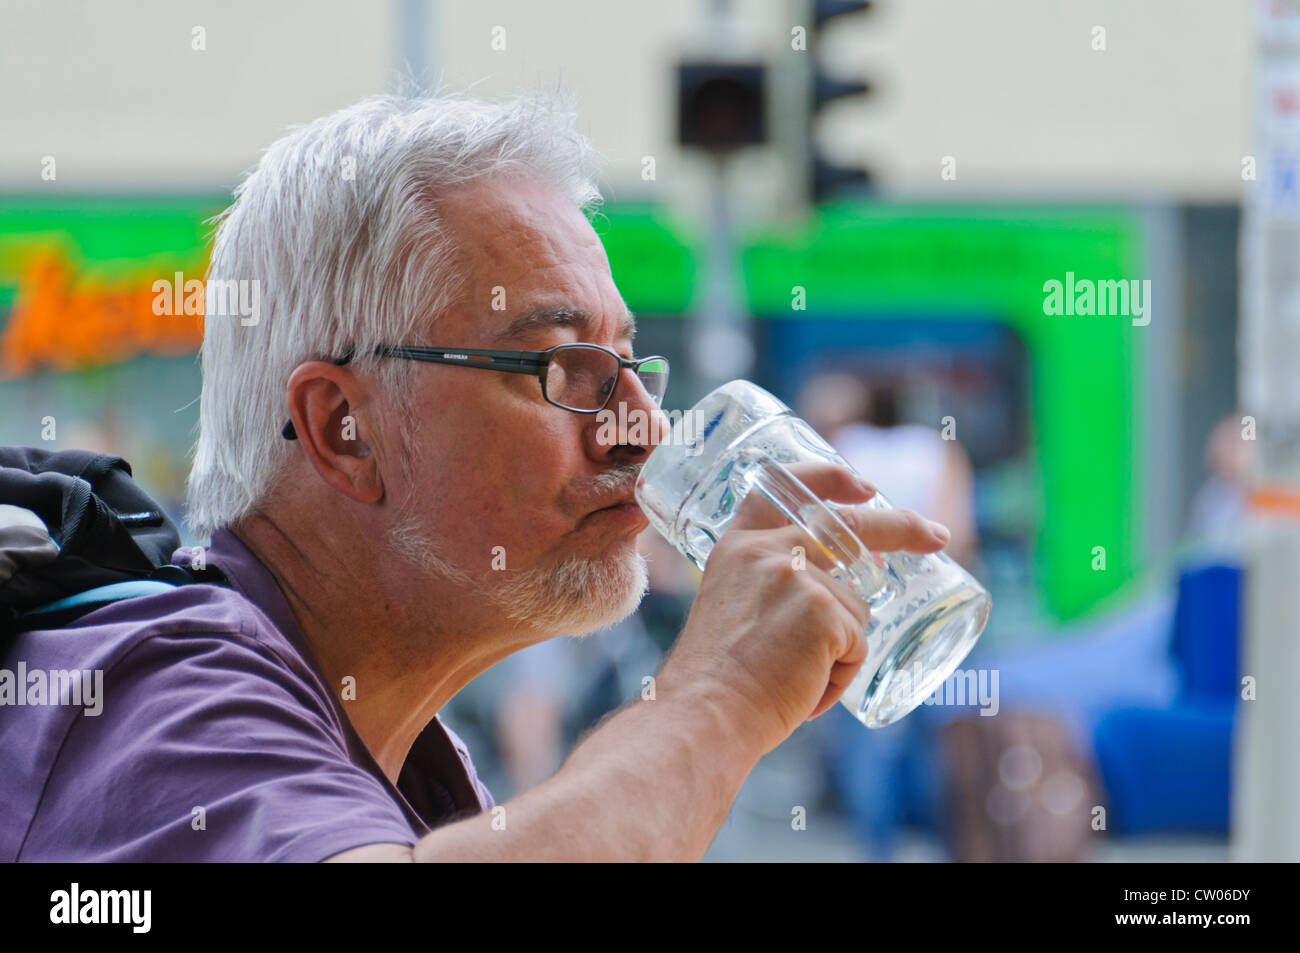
(145, 666)
(193, 662)
(177, 621)
(197, 707)
(199, 642)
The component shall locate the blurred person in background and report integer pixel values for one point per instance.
(876, 773)
(1219, 508)
(914, 467)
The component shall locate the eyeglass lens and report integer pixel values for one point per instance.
(583, 377)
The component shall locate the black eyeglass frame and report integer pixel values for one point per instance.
(534, 363)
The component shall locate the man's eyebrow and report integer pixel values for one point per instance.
(561, 317)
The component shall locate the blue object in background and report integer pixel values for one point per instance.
(1150, 689)
(1206, 633)
(1168, 770)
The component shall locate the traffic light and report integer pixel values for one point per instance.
(724, 104)
(721, 105)
(825, 178)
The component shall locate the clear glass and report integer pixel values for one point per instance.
(926, 611)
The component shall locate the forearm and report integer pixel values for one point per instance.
(653, 782)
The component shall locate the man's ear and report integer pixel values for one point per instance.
(324, 399)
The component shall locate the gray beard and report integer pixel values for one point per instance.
(576, 596)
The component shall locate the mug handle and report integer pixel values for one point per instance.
(853, 563)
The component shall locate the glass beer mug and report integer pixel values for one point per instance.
(926, 611)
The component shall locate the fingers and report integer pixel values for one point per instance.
(887, 531)
(848, 598)
(832, 481)
(846, 666)
(828, 481)
(841, 610)
(882, 530)
(800, 548)
(842, 675)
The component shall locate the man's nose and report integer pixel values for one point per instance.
(632, 424)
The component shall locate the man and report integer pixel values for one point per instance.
(394, 522)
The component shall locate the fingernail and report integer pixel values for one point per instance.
(940, 530)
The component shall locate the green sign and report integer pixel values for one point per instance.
(95, 257)
(650, 257)
(860, 260)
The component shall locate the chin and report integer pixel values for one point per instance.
(578, 595)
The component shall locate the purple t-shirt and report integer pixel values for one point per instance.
(216, 737)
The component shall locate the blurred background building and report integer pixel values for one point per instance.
(862, 210)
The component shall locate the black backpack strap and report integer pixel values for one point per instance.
(187, 575)
(77, 533)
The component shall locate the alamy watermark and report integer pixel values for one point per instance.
(240, 298)
(130, 907)
(637, 426)
(961, 688)
(59, 686)
(1126, 297)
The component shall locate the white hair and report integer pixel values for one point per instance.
(338, 225)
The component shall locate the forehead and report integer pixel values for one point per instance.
(530, 259)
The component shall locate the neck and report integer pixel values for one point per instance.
(392, 662)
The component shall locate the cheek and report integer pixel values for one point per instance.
(502, 467)
(537, 463)
(519, 476)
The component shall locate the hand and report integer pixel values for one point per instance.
(777, 643)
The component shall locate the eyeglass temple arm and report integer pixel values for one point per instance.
(516, 362)
(512, 362)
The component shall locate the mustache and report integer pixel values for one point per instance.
(619, 480)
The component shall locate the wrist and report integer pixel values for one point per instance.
(719, 712)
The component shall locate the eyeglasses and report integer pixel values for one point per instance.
(577, 377)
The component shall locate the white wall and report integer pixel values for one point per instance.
(114, 91)
(1012, 89)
